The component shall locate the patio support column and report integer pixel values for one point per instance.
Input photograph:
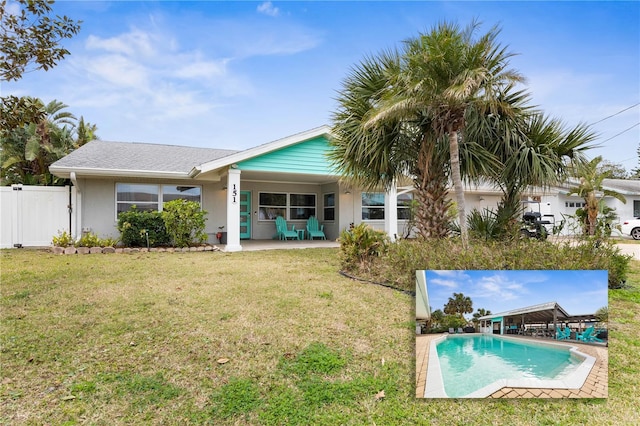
(233, 210)
(391, 212)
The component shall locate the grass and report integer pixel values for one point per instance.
(143, 338)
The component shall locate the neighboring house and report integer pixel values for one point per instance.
(555, 202)
(244, 191)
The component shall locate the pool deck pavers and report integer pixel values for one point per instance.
(596, 385)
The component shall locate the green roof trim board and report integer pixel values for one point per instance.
(307, 157)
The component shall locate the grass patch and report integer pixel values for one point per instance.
(101, 340)
(236, 398)
(314, 359)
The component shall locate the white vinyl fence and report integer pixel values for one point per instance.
(31, 215)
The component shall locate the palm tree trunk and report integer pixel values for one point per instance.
(431, 185)
(457, 185)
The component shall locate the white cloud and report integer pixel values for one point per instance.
(499, 287)
(118, 70)
(443, 283)
(268, 8)
(201, 69)
(134, 43)
(452, 274)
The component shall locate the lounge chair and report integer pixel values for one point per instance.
(589, 335)
(283, 231)
(460, 330)
(314, 229)
(563, 334)
(452, 331)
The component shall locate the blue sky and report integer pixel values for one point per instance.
(578, 292)
(238, 74)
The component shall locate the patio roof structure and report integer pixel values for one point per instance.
(544, 313)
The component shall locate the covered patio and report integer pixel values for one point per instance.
(540, 320)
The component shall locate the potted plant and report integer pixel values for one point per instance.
(221, 236)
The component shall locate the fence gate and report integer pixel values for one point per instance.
(31, 215)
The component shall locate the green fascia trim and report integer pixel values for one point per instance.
(307, 157)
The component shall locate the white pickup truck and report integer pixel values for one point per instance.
(631, 227)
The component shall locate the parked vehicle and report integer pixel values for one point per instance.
(631, 227)
(536, 225)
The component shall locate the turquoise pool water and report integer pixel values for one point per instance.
(469, 363)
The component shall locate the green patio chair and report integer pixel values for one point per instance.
(585, 335)
(589, 335)
(314, 229)
(283, 231)
(563, 334)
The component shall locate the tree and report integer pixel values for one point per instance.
(591, 189)
(32, 38)
(451, 72)
(459, 305)
(28, 150)
(29, 40)
(602, 314)
(533, 149)
(480, 312)
(415, 101)
(614, 170)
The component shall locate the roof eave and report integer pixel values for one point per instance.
(65, 172)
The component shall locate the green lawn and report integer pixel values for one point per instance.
(143, 339)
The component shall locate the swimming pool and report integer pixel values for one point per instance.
(476, 365)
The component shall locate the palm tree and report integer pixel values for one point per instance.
(400, 104)
(592, 190)
(534, 150)
(446, 73)
(480, 312)
(85, 132)
(459, 304)
(28, 150)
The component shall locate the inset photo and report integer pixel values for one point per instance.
(512, 334)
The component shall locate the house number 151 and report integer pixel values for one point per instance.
(234, 194)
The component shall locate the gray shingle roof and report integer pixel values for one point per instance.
(624, 186)
(139, 156)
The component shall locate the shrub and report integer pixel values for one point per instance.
(63, 239)
(404, 257)
(360, 245)
(108, 242)
(184, 221)
(88, 239)
(135, 226)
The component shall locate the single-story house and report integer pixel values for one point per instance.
(244, 190)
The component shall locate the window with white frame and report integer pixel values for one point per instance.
(291, 206)
(302, 206)
(404, 205)
(372, 206)
(151, 197)
(329, 207)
